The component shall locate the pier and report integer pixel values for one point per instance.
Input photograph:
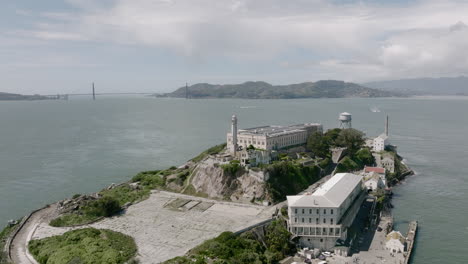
(410, 239)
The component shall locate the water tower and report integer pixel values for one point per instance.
(345, 120)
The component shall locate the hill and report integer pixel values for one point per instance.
(12, 97)
(425, 86)
(263, 90)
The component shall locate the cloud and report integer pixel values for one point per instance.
(382, 41)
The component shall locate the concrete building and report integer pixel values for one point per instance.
(379, 143)
(395, 242)
(270, 137)
(373, 182)
(369, 171)
(388, 162)
(321, 218)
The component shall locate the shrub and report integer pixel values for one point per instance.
(85, 246)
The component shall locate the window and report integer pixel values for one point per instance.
(331, 221)
(295, 220)
(302, 220)
(302, 211)
(318, 211)
(321, 240)
(324, 211)
(310, 220)
(324, 220)
(295, 211)
(316, 221)
(331, 231)
(331, 211)
(310, 211)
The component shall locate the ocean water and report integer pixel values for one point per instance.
(50, 150)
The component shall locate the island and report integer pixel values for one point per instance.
(263, 90)
(20, 97)
(269, 194)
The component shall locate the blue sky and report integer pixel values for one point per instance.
(157, 45)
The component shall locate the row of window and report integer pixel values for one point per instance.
(311, 210)
(316, 231)
(316, 220)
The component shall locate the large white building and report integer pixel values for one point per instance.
(321, 218)
(270, 137)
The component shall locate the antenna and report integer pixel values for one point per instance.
(94, 94)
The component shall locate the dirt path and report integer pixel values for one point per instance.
(19, 246)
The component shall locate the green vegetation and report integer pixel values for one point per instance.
(351, 139)
(289, 178)
(347, 165)
(84, 246)
(112, 200)
(231, 168)
(247, 248)
(263, 90)
(3, 237)
(211, 151)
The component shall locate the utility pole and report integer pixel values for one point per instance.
(94, 94)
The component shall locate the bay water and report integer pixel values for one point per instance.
(50, 150)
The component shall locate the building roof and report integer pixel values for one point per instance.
(374, 169)
(277, 130)
(331, 194)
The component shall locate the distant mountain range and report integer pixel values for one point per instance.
(425, 86)
(16, 97)
(263, 90)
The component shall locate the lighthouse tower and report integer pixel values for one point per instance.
(233, 146)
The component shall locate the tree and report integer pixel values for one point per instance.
(277, 238)
(331, 135)
(365, 157)
(318, 144)
(352, 139)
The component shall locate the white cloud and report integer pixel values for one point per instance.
(419, 39)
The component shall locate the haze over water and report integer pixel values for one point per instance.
(50, 150)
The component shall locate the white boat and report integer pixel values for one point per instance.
(375, 109)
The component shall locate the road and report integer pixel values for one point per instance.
(19, 246)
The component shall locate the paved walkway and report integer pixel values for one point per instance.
(168, 224)
(19, 245)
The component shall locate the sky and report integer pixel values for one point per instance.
(52, 46)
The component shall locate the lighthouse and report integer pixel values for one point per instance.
(233, 146)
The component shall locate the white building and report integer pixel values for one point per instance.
(321, 218)
(380, 142)
(270, 137)
(395, 242)
(373, 182)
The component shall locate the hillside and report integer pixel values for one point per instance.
(425, 86)
(11, 97)
(263, 90)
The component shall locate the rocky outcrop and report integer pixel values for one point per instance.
(210, 178)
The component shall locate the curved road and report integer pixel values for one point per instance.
(19, 246)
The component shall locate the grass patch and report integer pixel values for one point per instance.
(109, 204)
(289, 178)
(84, 246)
(211, 151)
(243, 249)
(3, 237)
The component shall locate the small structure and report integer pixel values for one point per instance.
(254, 157)
(379, 171)
(395, 242)
(388, 162)
(321, 218)
(373, 182)
(345, 120)
(379, 143)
